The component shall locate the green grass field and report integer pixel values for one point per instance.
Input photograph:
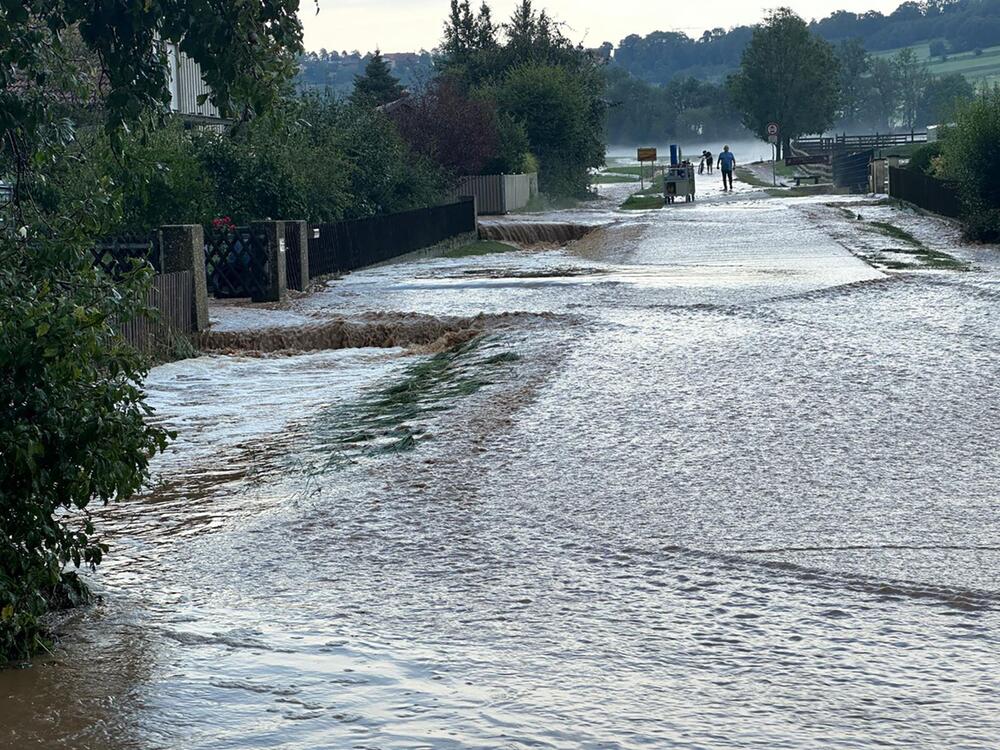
(982, 69)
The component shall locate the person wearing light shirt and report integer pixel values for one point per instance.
(727, 163)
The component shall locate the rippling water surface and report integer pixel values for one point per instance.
(738, 491)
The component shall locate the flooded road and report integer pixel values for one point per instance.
(704, 479)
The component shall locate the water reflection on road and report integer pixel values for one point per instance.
(739, 491)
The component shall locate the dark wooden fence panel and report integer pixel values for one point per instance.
(929, 193)
(851, 170)
(171, 297)
(349, 245)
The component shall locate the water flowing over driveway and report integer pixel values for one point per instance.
(703, 478)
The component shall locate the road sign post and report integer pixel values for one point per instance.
(643, 155)
(773, 131)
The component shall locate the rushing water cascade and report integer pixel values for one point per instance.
(528, 233)
(704, 479)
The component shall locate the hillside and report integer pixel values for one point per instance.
(981, 67)
(960, 26)
(335, 71)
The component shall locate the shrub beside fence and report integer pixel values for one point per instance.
(930, 193)
(349, 245)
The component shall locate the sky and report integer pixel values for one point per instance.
(409, 25)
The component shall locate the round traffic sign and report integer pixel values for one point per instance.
(772, 128)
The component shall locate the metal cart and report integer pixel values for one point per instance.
(678, 180)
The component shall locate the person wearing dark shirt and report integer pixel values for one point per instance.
(727, 163)
(709, 161)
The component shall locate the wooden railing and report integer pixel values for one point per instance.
(846, 142)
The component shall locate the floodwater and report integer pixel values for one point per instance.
(718, 483)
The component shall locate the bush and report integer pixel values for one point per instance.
(457, 132)
(385, 176)
(555, 107)
(72, 427)
(314, 158)
(971, 155)
(924, 157)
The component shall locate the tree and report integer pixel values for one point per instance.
(883, 94)
(938, 48)
(556, 111)
(455, 131)
(943, 97)
(509, 69)
(912, 79)
(485, 37)
(788, 76)
(73, 424)
(855, 65)
(377, 86)
(460, 32)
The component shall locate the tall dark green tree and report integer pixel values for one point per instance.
(943, 97)
(377, 85)
(535, 78)
(788, 76)
(912, 78)
(855, 64)
(883, 94)
(485, 30)
(460, 37)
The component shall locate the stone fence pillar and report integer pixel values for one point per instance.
(275, 279)
(297, 239)
(182, 248)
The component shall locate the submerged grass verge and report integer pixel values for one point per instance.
(910, 254)
(895, 232)
(607, 178)
(640, 202)
(747, 175)
(390, 419)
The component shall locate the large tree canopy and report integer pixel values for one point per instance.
(540, 84)
(787, 76)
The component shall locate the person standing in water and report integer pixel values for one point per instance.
(727, 163)
(708, 161)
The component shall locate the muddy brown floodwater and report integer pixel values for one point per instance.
(718, 483)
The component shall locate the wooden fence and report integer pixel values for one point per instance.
(350, 245)
(170, 299)
(925, 191)
(846, 142)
